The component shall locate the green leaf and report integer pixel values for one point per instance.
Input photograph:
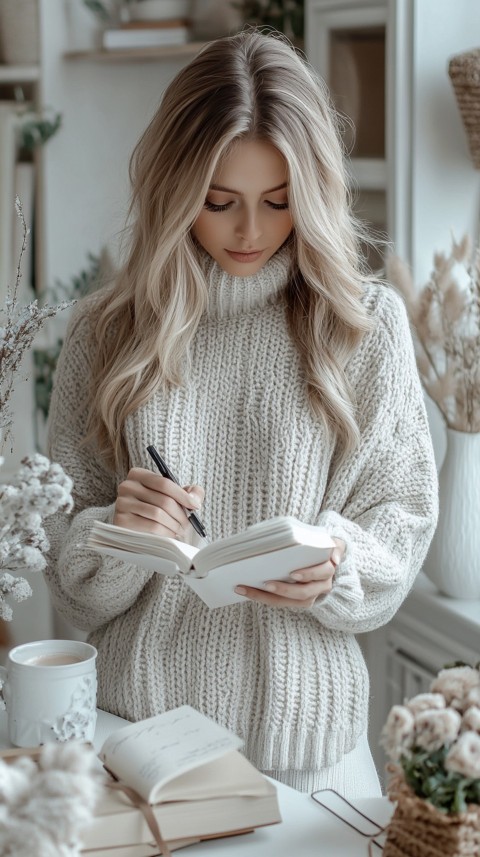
(37, 130)
(98, 9)
(45, 362)
(459, 802)
(80, 284)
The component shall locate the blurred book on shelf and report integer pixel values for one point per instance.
(147, 34)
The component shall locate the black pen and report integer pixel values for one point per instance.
(165, 471)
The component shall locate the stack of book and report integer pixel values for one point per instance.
(189, 770)
(147, 34)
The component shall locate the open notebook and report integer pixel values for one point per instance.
(269, 550)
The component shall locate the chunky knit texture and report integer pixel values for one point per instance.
(292, 683)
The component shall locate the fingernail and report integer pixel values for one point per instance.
(270, 587)
(297, 575)
(194, 501)
(240, 590)
(336, 555)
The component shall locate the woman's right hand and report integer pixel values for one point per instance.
(150, 503)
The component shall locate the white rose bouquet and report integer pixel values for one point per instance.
(435, 739)
(434, 742)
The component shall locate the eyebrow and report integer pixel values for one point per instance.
(239, 193)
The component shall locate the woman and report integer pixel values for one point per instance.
(242, 338)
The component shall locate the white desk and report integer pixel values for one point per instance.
(307, 829)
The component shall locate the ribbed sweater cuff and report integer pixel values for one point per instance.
(346, 589)
(302, 749)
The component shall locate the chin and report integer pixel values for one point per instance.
(242, 269)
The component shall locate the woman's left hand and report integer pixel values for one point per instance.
(306, 586)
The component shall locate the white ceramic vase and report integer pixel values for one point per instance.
(453, 561)
(212, 19)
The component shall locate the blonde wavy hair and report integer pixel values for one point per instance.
(249, 86)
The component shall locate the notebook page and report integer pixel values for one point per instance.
(150, 753)
(158, 553)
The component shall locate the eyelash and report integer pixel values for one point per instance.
(210, 206)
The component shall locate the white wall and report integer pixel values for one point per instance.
(105, 108)
(445, 184)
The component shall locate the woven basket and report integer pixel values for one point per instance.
(464, 71)
(418, 829)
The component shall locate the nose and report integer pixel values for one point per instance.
(249, 227)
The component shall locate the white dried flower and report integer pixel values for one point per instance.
(16, 586)
(436, 728)
(425, 701)
(473, 697)
(39, 489)
(455, 684)
(464, 756)
(398, 733)
(6, 614)
(61, 792)
(471, 719)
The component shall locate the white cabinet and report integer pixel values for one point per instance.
(386, 64)
(428, 632)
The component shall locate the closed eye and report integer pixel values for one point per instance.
(278, 206)
(210, 206)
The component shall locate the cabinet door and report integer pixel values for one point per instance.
(347, 46)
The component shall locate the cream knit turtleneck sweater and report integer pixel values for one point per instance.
(291, 682)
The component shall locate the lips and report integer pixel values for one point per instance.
(251, 256)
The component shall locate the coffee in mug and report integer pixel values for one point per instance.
(49, 689)
(60, 660)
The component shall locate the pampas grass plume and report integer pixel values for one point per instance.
(445, 316)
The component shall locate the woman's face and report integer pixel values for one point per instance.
(245, 217)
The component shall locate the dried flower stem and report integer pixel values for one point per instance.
(446, 319)
(16, 337)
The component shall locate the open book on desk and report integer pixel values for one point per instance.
(189, 769)
(269, 550)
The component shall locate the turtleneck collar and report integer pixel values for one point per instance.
(229, 295)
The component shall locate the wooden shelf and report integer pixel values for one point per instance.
(19, 73)
(136, 54)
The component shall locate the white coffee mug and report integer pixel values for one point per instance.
(50, 690)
